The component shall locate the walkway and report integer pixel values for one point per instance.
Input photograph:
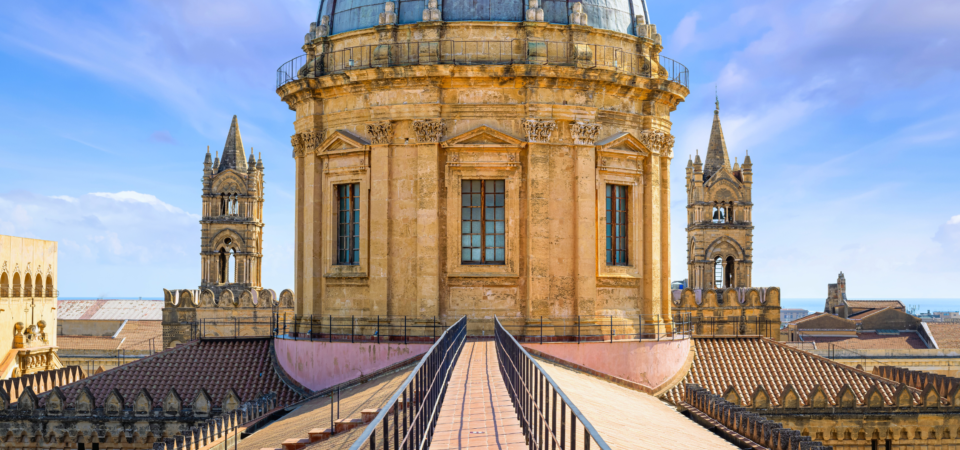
(629, 419)
(477, 412)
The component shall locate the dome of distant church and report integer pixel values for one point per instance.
(615, 15)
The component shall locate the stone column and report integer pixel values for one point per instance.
(299, 286)
(585, 186)
(313, 235)
(666, 298)
(379, 269)
(651, 238)
(428, 229)
(538, 230)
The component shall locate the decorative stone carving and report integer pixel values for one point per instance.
(389, 15)
(432, 13)
(578, 17)
(453, 157)
(585, 133)
(658, 142)
(641, 19)
(380, 132)
(429, 130)
(312, 34)
(323, 29)
(306, 142)
(534, 11)
(539, 130)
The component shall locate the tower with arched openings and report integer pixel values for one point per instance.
(232, 223)
(719, 223)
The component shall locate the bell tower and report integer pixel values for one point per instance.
(719, 223)
(232, 223)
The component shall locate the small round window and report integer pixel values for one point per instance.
(228, 241)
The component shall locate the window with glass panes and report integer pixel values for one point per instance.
(348, 224)
(616, 225)
(483, 228)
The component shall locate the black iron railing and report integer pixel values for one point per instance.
(322, 328)
(734, 326)
(540, 404)
(415, 406)
(480, 53)
(603, 328)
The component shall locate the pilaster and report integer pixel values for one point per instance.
(312, 235)
(665, 300)
(652, 288)
(585, 162)
(380, 227)
(538, 230)
(428, 230)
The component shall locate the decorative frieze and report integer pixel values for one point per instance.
(539, 130)
(429, 130)
(380, 132)
(306, 142)
(585, 133)
(658, 142)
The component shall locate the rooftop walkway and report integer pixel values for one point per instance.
(477, 412)
(316, 414)
(628, 419)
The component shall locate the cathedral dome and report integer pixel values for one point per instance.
(614, 15)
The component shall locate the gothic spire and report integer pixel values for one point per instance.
(717, 149)
(233, 154)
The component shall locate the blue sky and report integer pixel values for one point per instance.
(849, 109)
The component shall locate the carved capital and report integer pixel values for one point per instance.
(585, 133)
(539, 130)
(380, 132)
(306, 142)
(658, 142)
(429, 130)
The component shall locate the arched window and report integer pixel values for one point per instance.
(49, 286)
(27, 286)
(718, 273)
(233, 266)
(728, 275)
(4, 285)
(38, 287)
(16, 285)
(719, 214)
(222, 267)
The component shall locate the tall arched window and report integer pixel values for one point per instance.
(718, 273)
(49, 286)
(719, 214)
(222, 266)
(27, 286)
(233, 266)
(728, 275)
(16, 285)
(4, 285)
(38, 287)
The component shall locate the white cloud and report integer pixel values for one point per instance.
(113, 243)
(685, 32)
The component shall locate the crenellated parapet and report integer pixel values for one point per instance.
(193, 313)
(732, 311)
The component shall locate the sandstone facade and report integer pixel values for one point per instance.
(555, 130)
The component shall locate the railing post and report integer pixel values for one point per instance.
(378, 329)
(331, 328)
(611, 328)
(578, 329)
(352, 323)
(541, 329)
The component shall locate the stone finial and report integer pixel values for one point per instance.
(641, 19)
(432, 13)
(312, 34)
(534, 11)
(323, 29)
(578, 17)
(389, 14)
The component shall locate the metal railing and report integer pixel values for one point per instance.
(415, 406)
(734, 326)
(322, 328)
(537, 398)
(515, 51)
(603, 328)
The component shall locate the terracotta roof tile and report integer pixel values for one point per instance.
(244, 365)
(875, 304)
(135, 335)
(748, 362)
(869, 340)
(947, 335)
(110, 310)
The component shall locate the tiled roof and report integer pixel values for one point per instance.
(947, 335)
(109, 310)
(135, 335)
(875, 304)
(869, 340)
(243, 365)
(748, 362)
(808, 317)
(867, 313)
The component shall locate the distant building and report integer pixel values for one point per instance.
(837, 303)
(103, 334)
(939, 316)
(791, 314)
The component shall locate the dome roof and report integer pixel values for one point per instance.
(615, 15)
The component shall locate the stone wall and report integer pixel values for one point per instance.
(188, 314)
(26, 264)
(731, 312)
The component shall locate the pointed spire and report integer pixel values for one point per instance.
(690, 162)
(233, 155)
(717, 150)
(259, 161)
(252, 163)
(206, 159)
(216, 161)
(696, 160)
(736, 165)
(746, 161)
